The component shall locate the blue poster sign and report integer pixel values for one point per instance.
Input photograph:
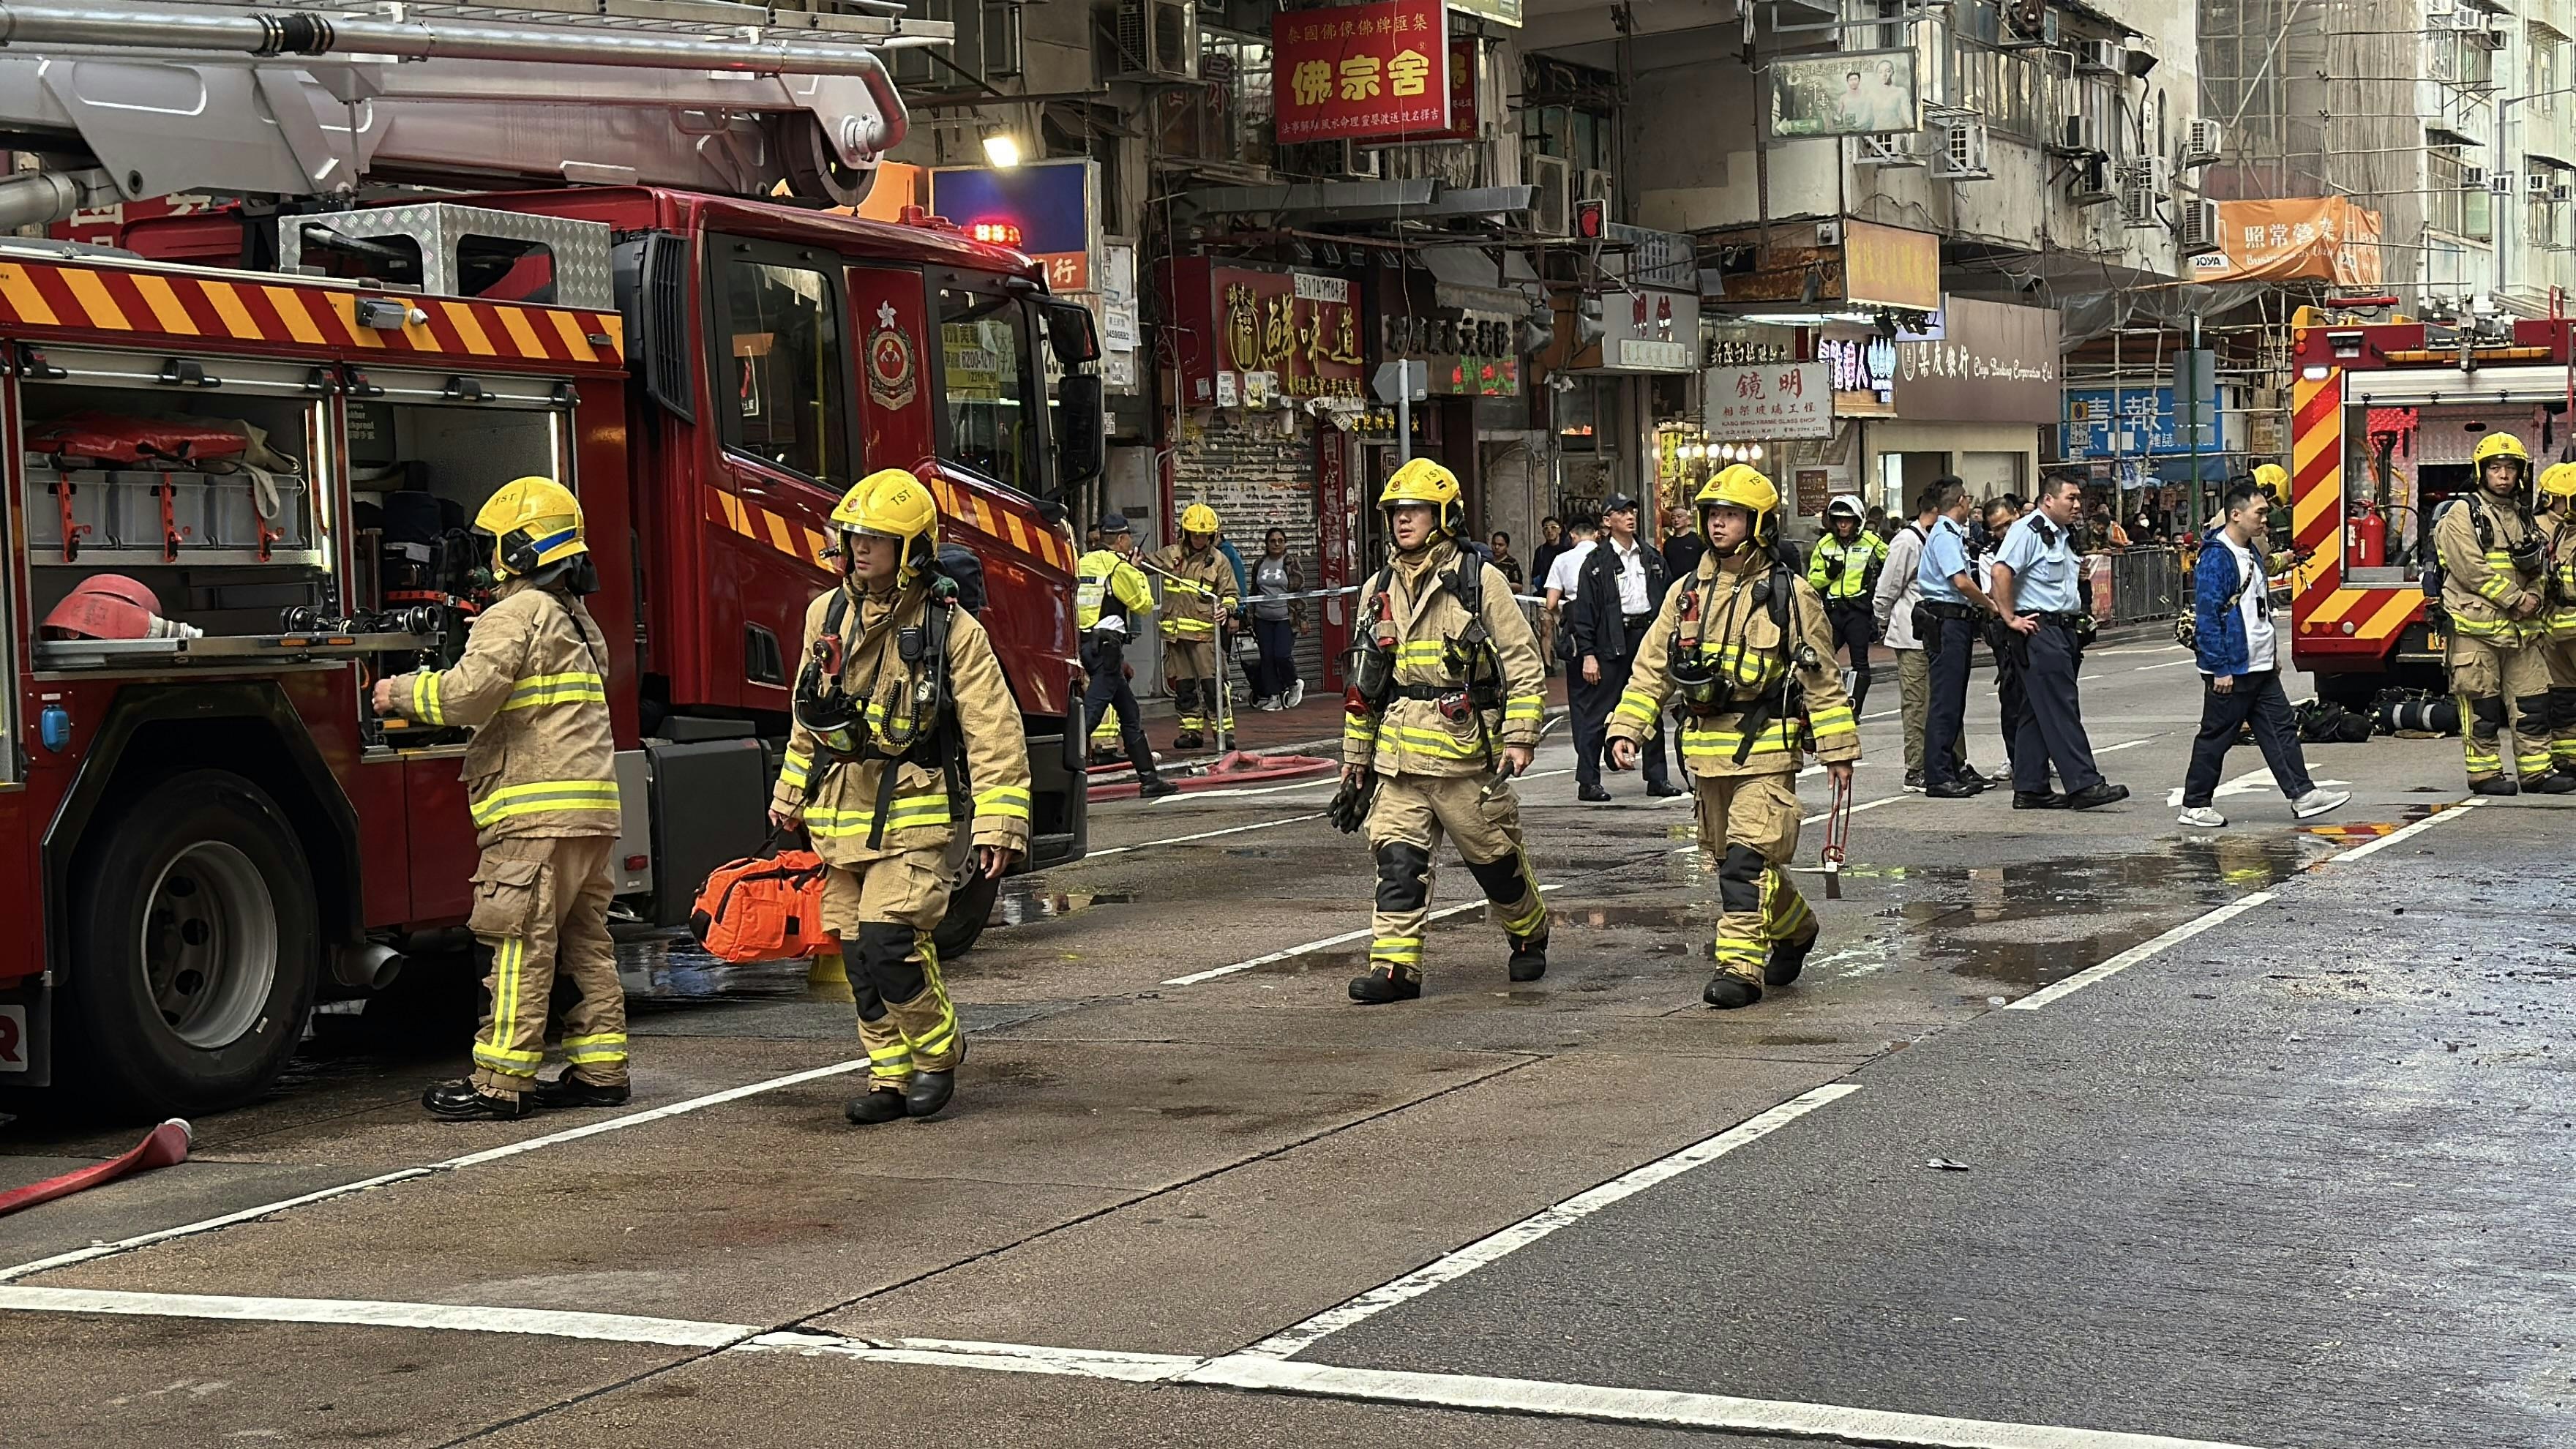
(2096, 415)
(1043, 208)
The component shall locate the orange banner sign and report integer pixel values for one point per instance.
(2325, 239)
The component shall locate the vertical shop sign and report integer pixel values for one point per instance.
(1336, 547)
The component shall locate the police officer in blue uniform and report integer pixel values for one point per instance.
(2037, 591)
(1949, 605)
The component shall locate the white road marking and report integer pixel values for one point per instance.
(2455, 810)
(208, 1225)
(2168, 664)
(1856, 809)
(552, 1323)
(1333, 781)
(1492, 1248)
(1344, 939)
(2127, 745)
(2245, 784)
(2134, 649)
(1085, 1363)
(1108, 851)
(2139, 952)
(1662, 1406)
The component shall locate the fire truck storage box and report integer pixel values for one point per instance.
(233, 507)
(134, 507)
(90, 506)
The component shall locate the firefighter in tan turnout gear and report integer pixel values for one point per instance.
(1744, 645)
(541, 783)
(904, 731)
(2558, 620)
(2494, 583)
(1444, 708)
(1198, 590)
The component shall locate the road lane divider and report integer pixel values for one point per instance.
(2447, 813)
(2140, 952)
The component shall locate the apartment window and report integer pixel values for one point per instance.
(2544, 220)
(1227, 116)
(2451, 58)
(2548, 68)
(2454, 206)
(2005, 86)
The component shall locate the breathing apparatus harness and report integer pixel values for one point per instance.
(1469, 657)
(2529, 557)
(1703, 691)
(925, 735)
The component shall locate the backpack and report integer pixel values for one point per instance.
(764, 908)
(960, 566)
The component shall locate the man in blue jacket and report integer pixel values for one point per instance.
(2239, 652)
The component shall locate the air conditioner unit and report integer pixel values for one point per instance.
(1595, 186)
(1158, 40)
(2203, 138)
(2495, 34)
(2138, 205)
(2100, 57)
(2500, 183)
(2535, 185)
(1897, 149)
(1962, 156)
(2091, 184)
(2079, 135)
(2473, 178)
(2200, 227)
(1552, 205)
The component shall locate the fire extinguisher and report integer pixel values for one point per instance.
(2366, 537)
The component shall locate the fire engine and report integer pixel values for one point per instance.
(2384, 417)
(254, 429)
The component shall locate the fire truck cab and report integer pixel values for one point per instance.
(2384, 417)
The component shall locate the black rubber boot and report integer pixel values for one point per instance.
(568, 1090)
(2494, 785)
(1529, 959)
(2557, 782)
(1154, 787)
(1384, 985)
(1787, 959)
(875, 1105)
(928, 1093)
(462, 1101)
(1728, 992)
(1186, 740)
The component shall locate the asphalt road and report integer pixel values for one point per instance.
(2247, 1137)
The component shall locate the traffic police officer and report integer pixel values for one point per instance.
(1743, 641)
(1843, 568)
(2558, 498)
(2493, 560)
(901, 717)
(1198, 590)
(541, 785)
(2036, 592)
(1444, 708)
(1109, 595)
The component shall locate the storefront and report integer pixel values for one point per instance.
(1972, 399)
(1615, 399)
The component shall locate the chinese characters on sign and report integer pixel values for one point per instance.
(1859, 364)
(1247, 332)
(1790, 400)
(1357, 71)
(2326, 239)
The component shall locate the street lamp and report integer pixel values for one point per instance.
(1001, 148)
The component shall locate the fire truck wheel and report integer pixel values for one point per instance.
(969, 907)
(196, 945)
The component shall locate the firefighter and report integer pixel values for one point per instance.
(1843, 568)
(541, 785)
(1743, 641)
(2274, 480)
(1110, 595)
(2558, 499)
(2493, 557)
(1444, 709)
(902, 720)
(1198, 590)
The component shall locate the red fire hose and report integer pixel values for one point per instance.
(165, 1146)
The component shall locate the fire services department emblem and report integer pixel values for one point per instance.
(891, 365)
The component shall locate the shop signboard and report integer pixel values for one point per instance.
(1048, 209)
(1298, 332)
(1787, 400)
(2106, 422)
(2296, 238)
(1814, 491)
(1889, 266)
(1650, 331)
(1993, 363)
(1350, 72)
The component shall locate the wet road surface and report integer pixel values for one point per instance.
(2254, 1136)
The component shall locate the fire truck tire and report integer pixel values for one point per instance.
(969, 907)
(196, 943)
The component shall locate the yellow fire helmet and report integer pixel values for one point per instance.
(1740, 485)
(1200, 519)
(1426, 482)
(2500, 445)
(535, 523)
(2558, 480)
(2274, 480)
(891, 503)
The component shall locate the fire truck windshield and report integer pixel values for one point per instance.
(993, 390)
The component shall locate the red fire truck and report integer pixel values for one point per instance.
(2384, 416)
(205, 828)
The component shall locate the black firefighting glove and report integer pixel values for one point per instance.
(1350, 807)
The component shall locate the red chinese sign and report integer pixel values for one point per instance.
(1356, 71)
(1246, 331)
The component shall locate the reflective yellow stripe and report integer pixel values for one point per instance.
(1835, 721)
(1434, 742)
(424, 698)
(542, 689)
(594, 1056)
(1523, 707)
(1422, 651)
(793, 770)
(1636, 704)
(1188, 626)
(1003, 802)
(1359, 730)
(605, 1038)
(1396, 948)
(509, 957)
(1702, 744)
(1528, 921)
(544, 797)
(907, 812)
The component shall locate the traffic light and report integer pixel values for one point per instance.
(1591, 219)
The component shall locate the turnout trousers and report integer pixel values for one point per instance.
(1749, 825)
(883, 912)
(1405, 824)
(2494, 676)
(1190, 669)
(2561, 654)
(541, 903)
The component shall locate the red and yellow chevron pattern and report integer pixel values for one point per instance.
(221, 309)
(1003, 525)
(2319, 603)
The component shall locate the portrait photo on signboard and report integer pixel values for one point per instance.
(1849, 93)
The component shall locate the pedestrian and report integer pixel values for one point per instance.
(901, 695)
(1682, 547)
(1618, 587)
(2238, 649)
(1198, 591)
(1878, 524)
(541, 787)
(1744, 647)
(2493, 574)
(2558, 499)
(1551, 542)
(1501, 546)
(1893, 610)
(1277, 620)
(1110, 599)
(1950, 603)
(1843, 569)
(1449, 693)
(1558, 582)
(2012, 701)
(2037, 593)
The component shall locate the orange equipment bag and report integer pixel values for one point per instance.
(764, 908)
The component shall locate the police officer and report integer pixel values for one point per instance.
(1109, 595)
(2493, 570)
(1445, 702)
(902, 719)
(2036, 594)
(1744, 643)
(1843, 568)
(2558, 500)
(1198, 590)
(1949, 602)
(541, 785)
